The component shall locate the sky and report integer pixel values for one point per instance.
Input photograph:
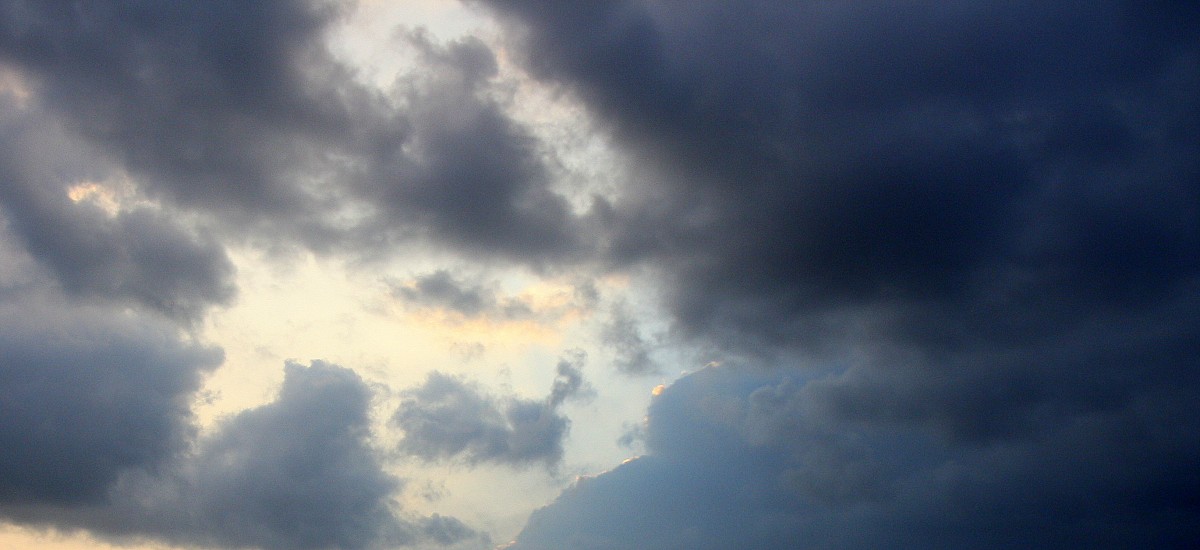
(632, 274)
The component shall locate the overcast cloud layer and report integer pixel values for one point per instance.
(948, 255)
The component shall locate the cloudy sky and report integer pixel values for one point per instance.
(631, 274)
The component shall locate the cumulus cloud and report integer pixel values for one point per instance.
(450, 418)
(759, 458)
(294, 473)
(88, 393)
(205, 110)
(470, 175)
(96, 402)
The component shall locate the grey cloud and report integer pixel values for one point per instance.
(449, 418)
(86, 394)
(294, 473)
(297, 473)
(137, 254)
(469, 174)
(473, 297)
(441, 289)
(623, 334)
(239, 112)
(568, 379)
(98, 432)
(810, 164)
(204, 99)
(755, 458)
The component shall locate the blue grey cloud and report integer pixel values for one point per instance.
(296, 473)
(449, 418)
(759, 458)
(86, 394)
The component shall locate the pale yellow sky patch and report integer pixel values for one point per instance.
(97, 194)
(12, 83)
(368, 40)
(15, 538)
(314, 307)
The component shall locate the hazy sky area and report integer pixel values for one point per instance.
(625, 274)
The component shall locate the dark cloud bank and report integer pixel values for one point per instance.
(952, 248)
(966, 235)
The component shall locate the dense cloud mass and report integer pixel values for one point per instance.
(948, 254)
(448, 418)
(59, 196)
(931, 165)
(86, 394)
(294, 473)
(763, 459)
(977, 221)
(257, 123)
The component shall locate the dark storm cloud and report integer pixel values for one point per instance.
(977, 222)
(447, 418)
(805, 161)
(295, 473)
(87, 393)
(241, 113)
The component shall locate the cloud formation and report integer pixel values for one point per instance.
(258, 125)
(449, 418)
(87, 394)
(807, 176)
(950, 252)
(294, 473)
(441, 289)
(63, 201)
(759, 458)
(624, 336)
(973, 224)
